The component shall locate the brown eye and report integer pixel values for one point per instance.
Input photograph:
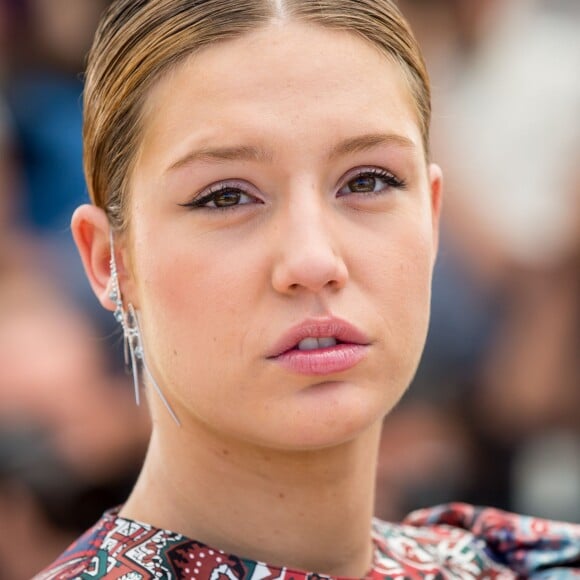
(227, 198)
(362, 184)
(371, 182)
(223, 196)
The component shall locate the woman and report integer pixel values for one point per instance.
(265, 227)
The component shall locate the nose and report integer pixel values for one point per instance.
(308, 256)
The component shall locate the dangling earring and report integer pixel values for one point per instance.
(133, 344)
(121, 318)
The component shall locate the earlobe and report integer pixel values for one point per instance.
(436, 194)
(90, 229)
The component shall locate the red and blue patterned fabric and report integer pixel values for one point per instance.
(453, 541)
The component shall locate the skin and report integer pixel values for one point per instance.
(217, 289)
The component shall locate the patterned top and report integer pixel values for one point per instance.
(455, 541)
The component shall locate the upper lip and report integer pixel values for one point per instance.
(319, 327)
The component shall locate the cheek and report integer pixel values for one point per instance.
(401, 281)
(400, 258)
(193, 305)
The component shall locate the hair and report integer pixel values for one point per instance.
(139, 41)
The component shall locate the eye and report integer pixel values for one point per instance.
(370, 181)
(221, 197)
(227, 198)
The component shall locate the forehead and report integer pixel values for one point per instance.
(281, 85)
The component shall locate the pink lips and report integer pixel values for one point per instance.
(350, 349)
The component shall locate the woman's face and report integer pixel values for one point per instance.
(281, 194)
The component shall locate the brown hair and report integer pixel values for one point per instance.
(138, 41)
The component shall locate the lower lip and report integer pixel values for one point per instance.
(324, 361)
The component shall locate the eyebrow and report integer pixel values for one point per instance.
(259, 154)
(235, 153)
(365, 142)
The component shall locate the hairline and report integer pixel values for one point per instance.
(180, 60)
(111, 192)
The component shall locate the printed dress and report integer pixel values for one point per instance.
(453, 541)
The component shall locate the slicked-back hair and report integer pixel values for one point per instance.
(139, 41)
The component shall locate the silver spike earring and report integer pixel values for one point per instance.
(133, 344)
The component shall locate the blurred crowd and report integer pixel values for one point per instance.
(71, 438)
(493, 416)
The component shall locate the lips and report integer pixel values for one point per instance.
(297, 351)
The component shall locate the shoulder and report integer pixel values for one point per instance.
(81, 552)
(502, 544)
(117, 548)
(432, 551)
(113, 548)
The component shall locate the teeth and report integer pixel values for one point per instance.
(312, 343)
(308, 344)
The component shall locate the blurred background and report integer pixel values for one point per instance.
(493, 416)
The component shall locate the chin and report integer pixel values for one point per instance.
(331, 414)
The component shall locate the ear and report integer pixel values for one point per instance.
(90, 229)
(436, 193)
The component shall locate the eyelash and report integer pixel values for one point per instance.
(201, 202)
(392, 181)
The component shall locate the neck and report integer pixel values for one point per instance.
(307, 510)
